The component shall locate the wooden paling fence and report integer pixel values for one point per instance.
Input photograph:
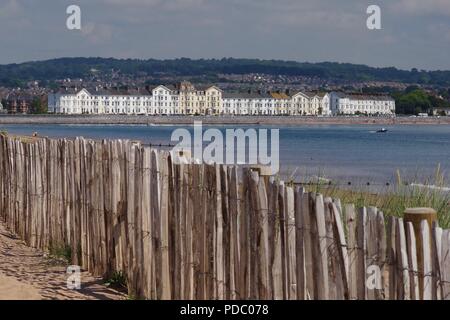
(191, 231)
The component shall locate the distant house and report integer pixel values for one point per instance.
(18, 103)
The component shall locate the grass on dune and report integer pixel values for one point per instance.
(394, 204)
(394, 199)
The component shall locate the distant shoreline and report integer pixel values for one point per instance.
(218, 120)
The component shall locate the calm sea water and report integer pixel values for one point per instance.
(342, 153)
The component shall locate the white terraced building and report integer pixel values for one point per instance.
(161, 100)
(165, 100)
(186, 99)
(351, 104)
(100, 101)
(311, 104)
(275, 103)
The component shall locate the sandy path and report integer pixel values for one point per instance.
(25, 274)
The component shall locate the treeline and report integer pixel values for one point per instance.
(17, 74)
(415, 101)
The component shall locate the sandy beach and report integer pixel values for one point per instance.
(219, 120)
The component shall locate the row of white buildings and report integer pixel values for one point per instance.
(186, 99)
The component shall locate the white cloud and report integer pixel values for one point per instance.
(421, 7)
(97, 33)
(10, 9)
(161, 4)
(295, 29)
(441, 29)
(130, 3)
(184, 4)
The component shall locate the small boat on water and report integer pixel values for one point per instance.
(382, 130)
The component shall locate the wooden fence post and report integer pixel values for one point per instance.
(350, 220)
(275, 242)
(436, 260)
(321, 251)
(425, 255)
(290, 243)
(342, 252)
(415, 216)
(412, 261)
(361, 240)
(445, 267)
(391, 256)
(299, 243)
(403, 291)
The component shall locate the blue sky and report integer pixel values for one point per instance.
(415, 33)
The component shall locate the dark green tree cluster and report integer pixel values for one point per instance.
(413, 101)
(39, 105)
